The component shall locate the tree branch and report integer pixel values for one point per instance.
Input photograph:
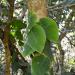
(70, 41)
(61, 6)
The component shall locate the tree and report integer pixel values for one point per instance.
(19, 34)
(40, 11)
(38, 27)
(20, 31)
(5, 37)
(56, 10)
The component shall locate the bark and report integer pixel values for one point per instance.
(6, 37)
(39, 7)
(7, 52)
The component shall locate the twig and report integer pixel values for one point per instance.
(70, 41)
(61, 6)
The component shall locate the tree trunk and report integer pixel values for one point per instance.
(39, 7)
(7, 52)
(6, 37)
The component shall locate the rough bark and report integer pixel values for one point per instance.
(39, 7)
(6, 37)
(7, 52)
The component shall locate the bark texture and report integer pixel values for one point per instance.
(6, 37)
(39, 7)
(7, 52)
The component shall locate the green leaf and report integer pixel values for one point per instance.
(40, 65)
(19, 35)
(17, 24)
(35, 40)
(51, 29)
(32, 19)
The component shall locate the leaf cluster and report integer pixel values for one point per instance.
(39, 35)
(16, 30)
